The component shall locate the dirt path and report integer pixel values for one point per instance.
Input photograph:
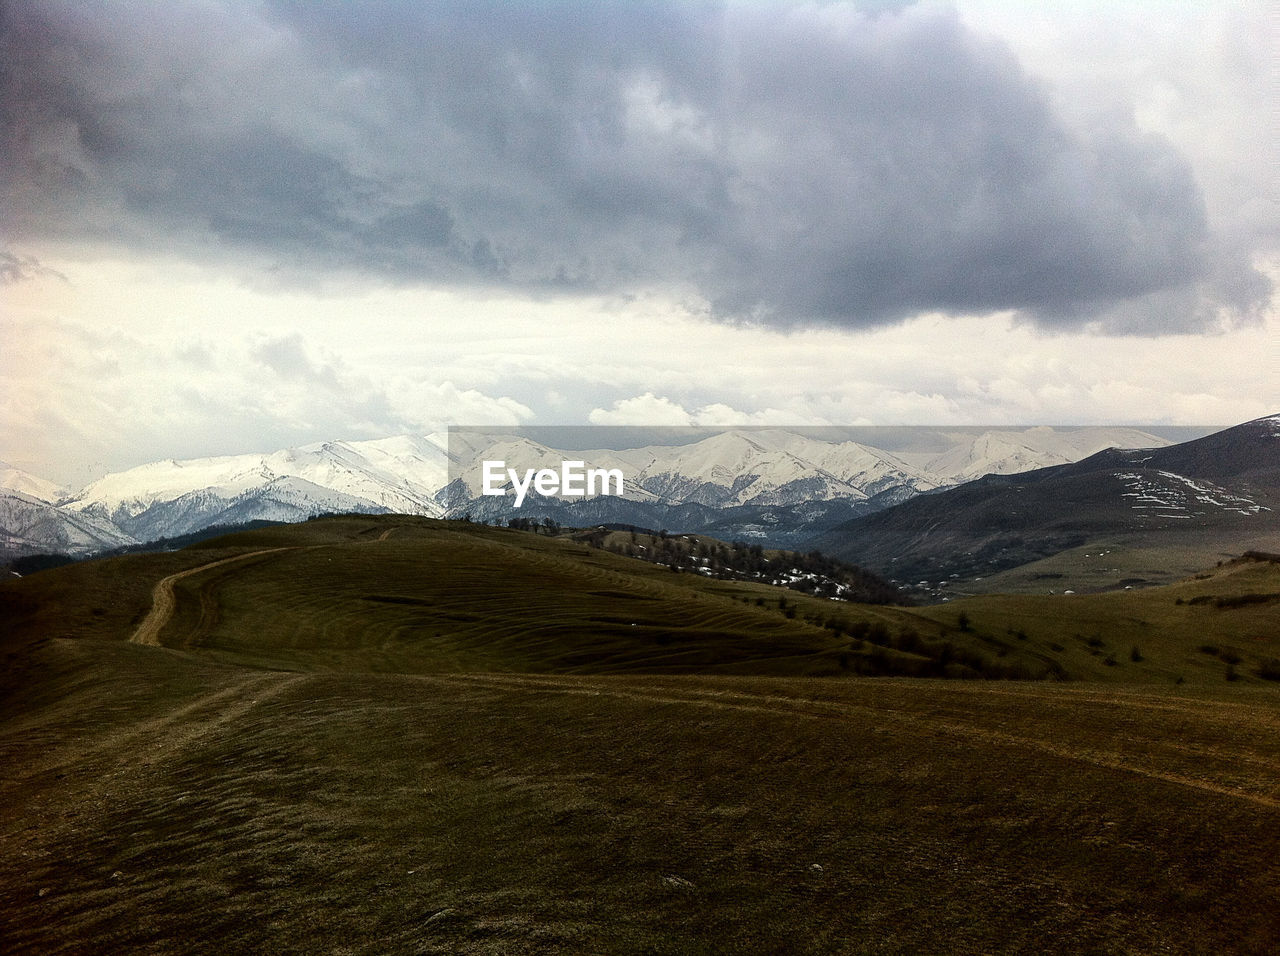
(163, 601)
(157, 737)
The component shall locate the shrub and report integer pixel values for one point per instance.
(910, 642)
(1269, 669)
(1243, 600)
(31, 563)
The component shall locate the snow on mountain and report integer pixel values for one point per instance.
(401, 474)
(289, 499)
(29, 525)
(519, 453)
(1190, 501)
(166, 498)
(871, 470)
(15, 479)
(726, 469)
(1163, 494)
(771, 467)
(774, 467)
(1010, 452)
(758, 468)
(419, 462)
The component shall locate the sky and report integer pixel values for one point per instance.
(230, 227)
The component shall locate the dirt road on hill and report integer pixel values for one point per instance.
(163, 601)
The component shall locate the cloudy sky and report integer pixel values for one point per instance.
(231, 226)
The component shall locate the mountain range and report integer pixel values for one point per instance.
(1136, 516)
(773, 485)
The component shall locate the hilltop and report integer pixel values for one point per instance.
(401, 594)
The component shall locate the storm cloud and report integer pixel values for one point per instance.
(786, 164)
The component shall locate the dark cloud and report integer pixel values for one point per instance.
(828, 164)
(287, 357)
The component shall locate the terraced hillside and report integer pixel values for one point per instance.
(389, 735)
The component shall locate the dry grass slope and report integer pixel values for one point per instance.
(405, 737)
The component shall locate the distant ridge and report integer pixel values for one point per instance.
(1213, 496)
(168, 498)
(771, 485)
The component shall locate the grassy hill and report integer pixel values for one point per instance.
(409, 595)
(1222, 624)
(393, 735)
(412, 595)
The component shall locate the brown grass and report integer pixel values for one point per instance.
(193, 799)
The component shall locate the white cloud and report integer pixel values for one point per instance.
(122, 363)
(646, 409)
(434, 406)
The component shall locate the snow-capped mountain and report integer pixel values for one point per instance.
(1001, 452)
(1205, 498)
(167, 498)
(774, 467)
(29, 525)
(15, 479)
(766, 482)
(770, 466)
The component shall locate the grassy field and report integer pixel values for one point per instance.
(399, 736)
(1219, 625)
(1114, 562)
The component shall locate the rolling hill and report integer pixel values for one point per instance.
(402, 594)
(398, 735)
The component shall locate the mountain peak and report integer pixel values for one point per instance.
(15, 479)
